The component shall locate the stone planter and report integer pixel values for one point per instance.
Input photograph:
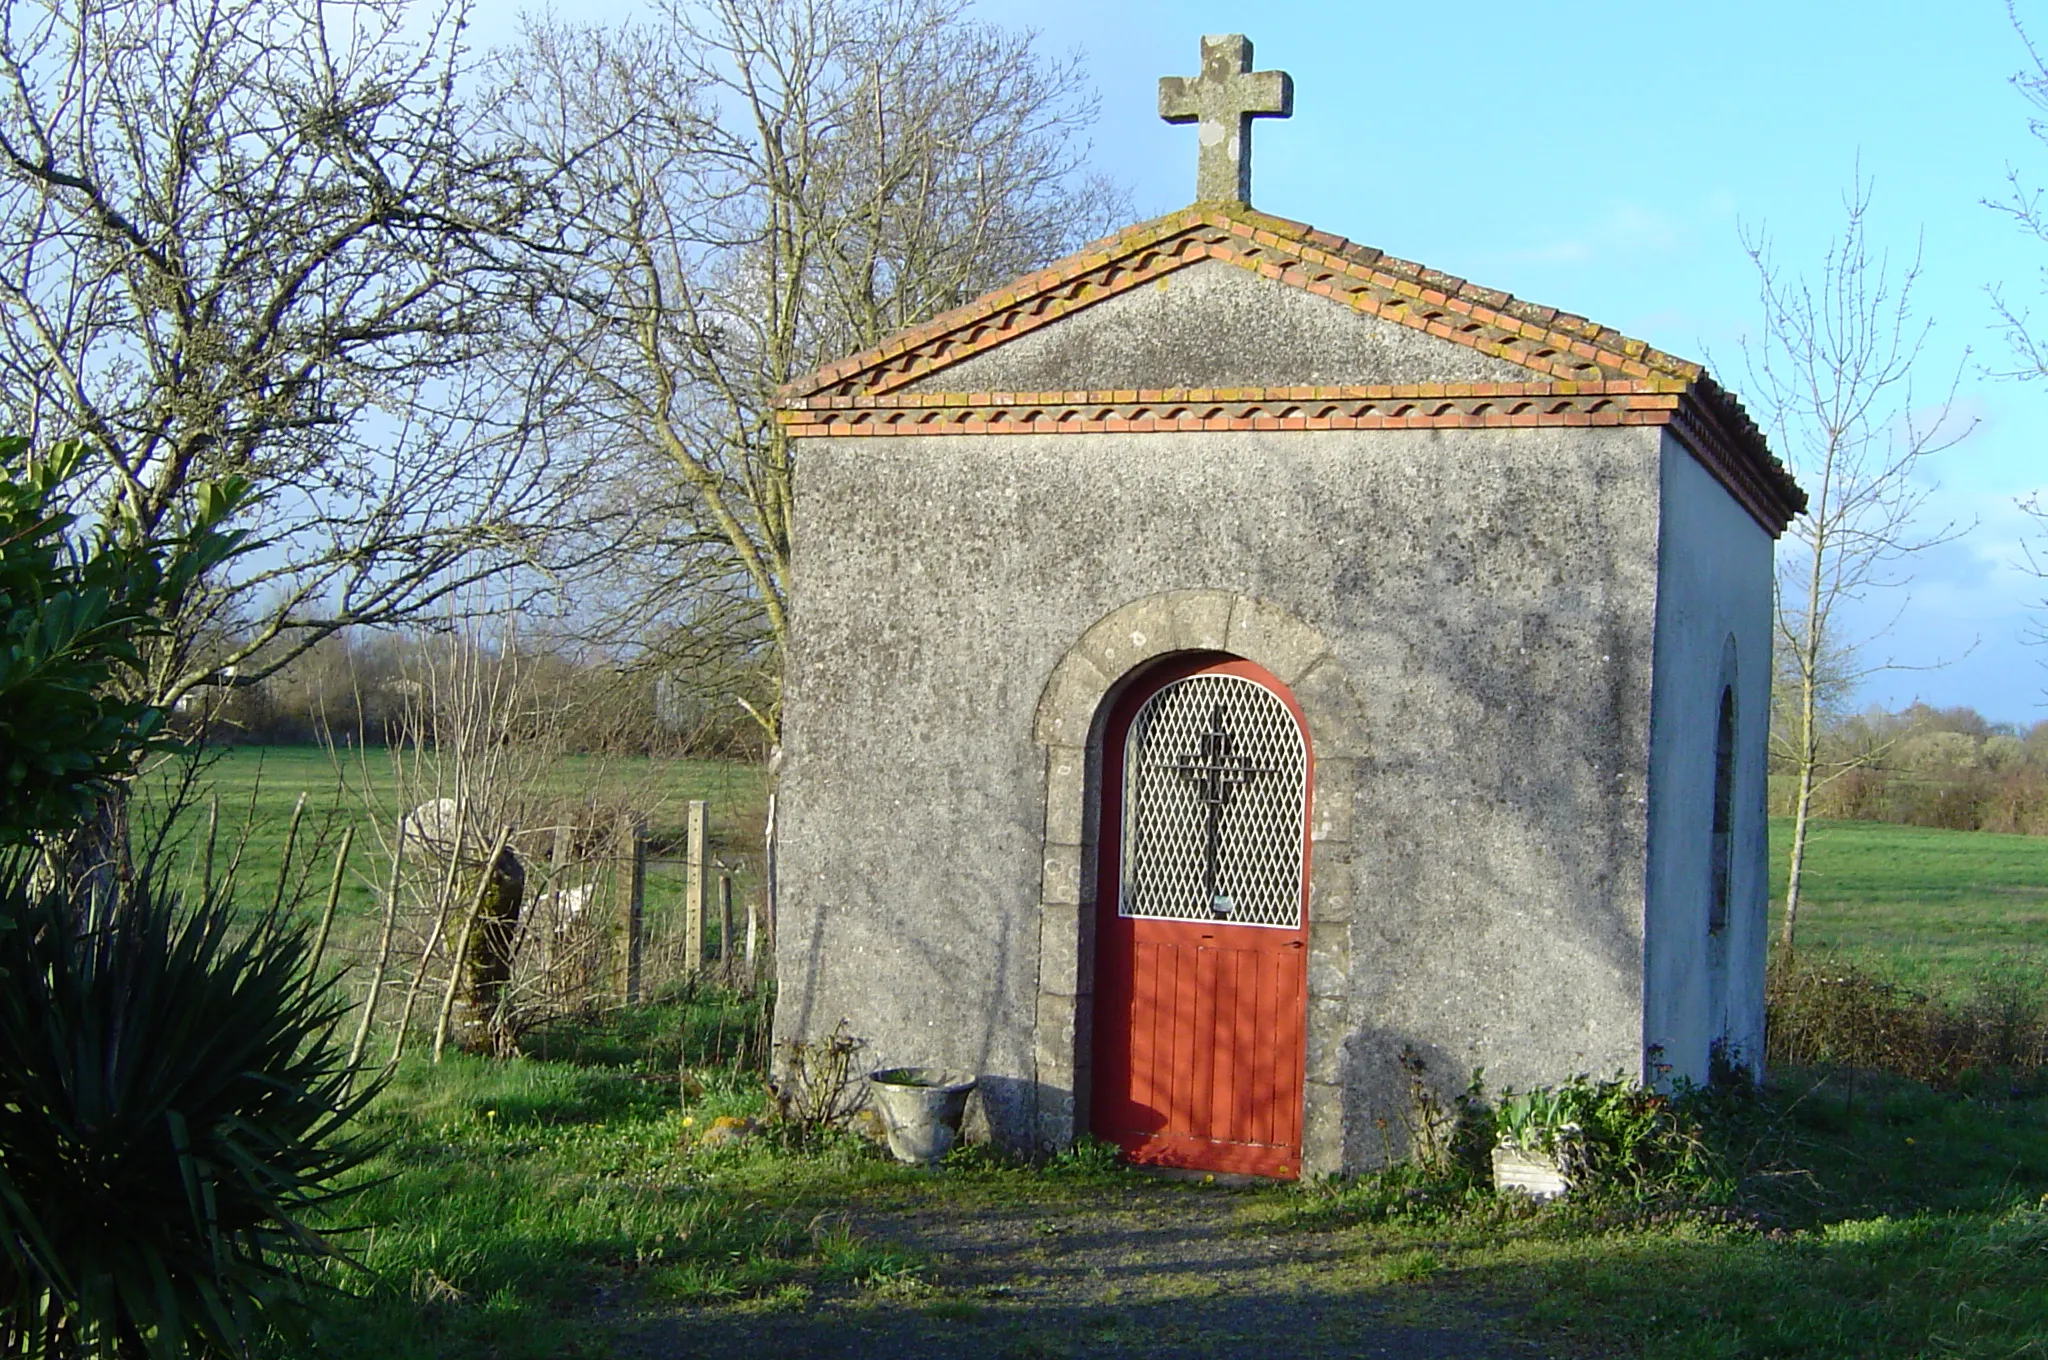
(921, 1108)
(1535, 1174)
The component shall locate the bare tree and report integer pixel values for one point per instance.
(261, 238)
(2023, 204)
(751, 188)
(1831, 371)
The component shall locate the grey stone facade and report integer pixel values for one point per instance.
(1507, 642)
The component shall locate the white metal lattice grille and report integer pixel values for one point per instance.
(1215, 777)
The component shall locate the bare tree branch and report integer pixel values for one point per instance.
(750, 188)
(268, 238)
(1831, 374)
(2023, 204)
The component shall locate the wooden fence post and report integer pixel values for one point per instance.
(558, 860)
(753, 942)
(725, 923)
(768, 868)
(553, 927)
(632, 905)
(355, 1050)
(693, 889)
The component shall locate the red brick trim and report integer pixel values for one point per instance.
(1772, 502)
(1293, 409)
(820, 408)
(1548, 342)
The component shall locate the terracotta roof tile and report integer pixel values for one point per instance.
(1401, 291)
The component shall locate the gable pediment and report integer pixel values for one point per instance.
(1410, 320)
(1221, 317)
(1214, 324)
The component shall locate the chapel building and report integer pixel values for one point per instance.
(1233, 664)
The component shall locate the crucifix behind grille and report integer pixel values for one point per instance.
(1215, 778)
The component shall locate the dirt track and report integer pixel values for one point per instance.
(1145, 1270)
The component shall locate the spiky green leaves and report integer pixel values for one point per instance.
(172, 1111)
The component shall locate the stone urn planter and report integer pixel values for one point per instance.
(921, 1108)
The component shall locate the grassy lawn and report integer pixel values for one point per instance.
(566, 1203)
(1877, 1218)
(513, 1198)
(1944, 911)
(257, 789)
(571, 1206)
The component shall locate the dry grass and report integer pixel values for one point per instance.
(1826, 1012)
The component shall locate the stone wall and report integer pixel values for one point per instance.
(1486, 599)
(1713, 627)
(1167, 335)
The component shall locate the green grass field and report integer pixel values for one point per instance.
(1942, 911)
(563, 1203)
(1936, 908)
(257, 788)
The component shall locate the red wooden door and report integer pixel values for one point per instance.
(1202, 922)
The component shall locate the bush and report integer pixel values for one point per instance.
(73, 607)
(1617, 1135)
(1822, 1012)
(171, 1110)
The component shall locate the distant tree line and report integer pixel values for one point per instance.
(362, 688)
(1925, 766)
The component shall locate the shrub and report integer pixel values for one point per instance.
(1618, 1135)
(1822, 1012)
(171, 1112)
(73, 607)
(1087, 1158)
(816, 1088)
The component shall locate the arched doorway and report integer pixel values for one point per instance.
(1202, 922)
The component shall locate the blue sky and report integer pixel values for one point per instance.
(1604, 165)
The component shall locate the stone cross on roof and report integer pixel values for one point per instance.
(1224, 99)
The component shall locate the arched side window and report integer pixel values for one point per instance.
(1724, 813)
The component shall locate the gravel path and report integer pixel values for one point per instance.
(1148, 1270)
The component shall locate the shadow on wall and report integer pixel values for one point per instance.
(1500, 643)
(1397, 1091)
(1002, 1108)
(1001, 1111)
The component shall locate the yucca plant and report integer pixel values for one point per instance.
(173, 1110)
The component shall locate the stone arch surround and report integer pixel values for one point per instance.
(1067, 725)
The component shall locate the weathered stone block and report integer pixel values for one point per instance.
(1116, 650)
(1053, 1040)
(1326, 1036)
(1275, 639)
(1322, 1135)
(1055, 1119)
(1065, 958)
(1062, 880)
(1336, 788)
(1066, 773)
(1204, 617)
(1329, 958)
(1147, 627)
(1333, 883)
(1067, 706)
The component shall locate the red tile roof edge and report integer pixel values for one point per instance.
(1720, 415)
